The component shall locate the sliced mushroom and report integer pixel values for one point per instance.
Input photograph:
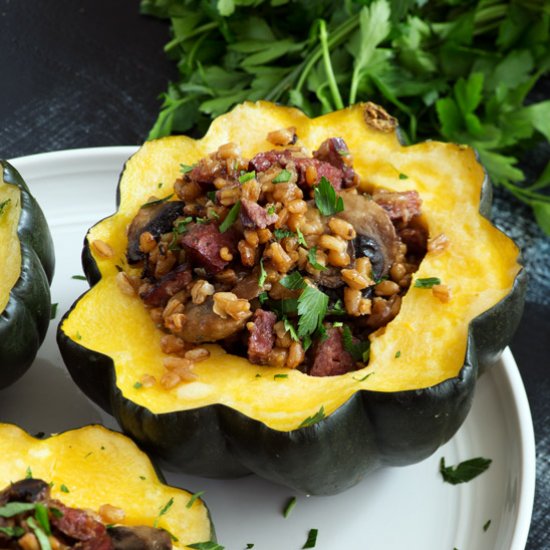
(139, 537)
(203, 325)
(155, 219)
(376, 236)
(25, 490)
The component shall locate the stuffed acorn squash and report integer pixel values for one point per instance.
(91, 488)
(26, 271)
(308, 301)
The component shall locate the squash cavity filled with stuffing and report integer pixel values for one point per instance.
(91, 488)
(306, 299)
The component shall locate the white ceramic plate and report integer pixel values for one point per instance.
(403, 508)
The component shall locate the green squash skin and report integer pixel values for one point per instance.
(25, 320)
(372, 429)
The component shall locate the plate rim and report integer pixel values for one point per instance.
(509, 374)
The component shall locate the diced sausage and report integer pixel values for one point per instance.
(162, 290)
(335, 152)
(330, 357)
(203, 243)
(262, 336)
(402, 205)
(254, 216)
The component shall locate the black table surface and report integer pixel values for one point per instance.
(88, 73)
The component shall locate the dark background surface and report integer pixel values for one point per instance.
(87, 73)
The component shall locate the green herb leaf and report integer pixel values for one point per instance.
(403, 177)
(231, 217)
(312, 259)
(41, 515)
(427, 282)
(39, 534)
(293, 281)
(486, 525)
(3, 205)
(359, 350)
(398, 354)
(282, 177)
(64, 488)
(186, 168)
(163, 511)
(326, 199)
(311, 539)
(283, 233)
(14, 532)
(312, 308)
(289, 506)
(247, 176)
(193, 498)
(276, 376)
(301, 238)
(465, 471)
(28, 473)
(53, 311)
(311, 420)
(138, 385)
(79, 278)
(12, 509)
(208, 545)
(157, 201)
(263, 274)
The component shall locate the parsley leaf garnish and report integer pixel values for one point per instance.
(247, 176)
(326, 199)
(3, 205)
(293, 281)
(231, 217)
(465, 471)
(289, 506)
(317, 417)
(312, 308)
(193, 498)
(157, 201)
(208, 545)
(427, 282)
(312, 259)
(359, 350)
(282, 177)
(163, 511)
(311, 539)
(186, 168)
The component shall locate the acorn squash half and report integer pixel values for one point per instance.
(319, 435)
(92, 466)
(26, 271)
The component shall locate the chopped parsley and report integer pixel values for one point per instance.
(427, 282)
(317, 417)
(326, 199)
(53, 311)
(12, 531)
(271, 209)
(211, 195)
(42, 537)
(290, 328)
(78, 277)
(157, 201)
(301, 239)
(311, 539)
(138, 385)
(282, 177)
(12, 509)
(465, 471)
(403, 176)
(364, 377)
(293, 281)
(64, 488)
(283, 233)
(193, 498)
(275, 376)
(41, 514)
(28, 473)
(208, 545)
(289, 506)
(163, 511)
(359, 350)
(186, 168)
(312, 259)
(263, 274)
(231, 217)
(3, 205)
(247, 176)
(398, 354)
(486, 525)
(312, 308)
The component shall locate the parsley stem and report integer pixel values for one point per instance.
(328, 65)
(199, 30)
(337, 36)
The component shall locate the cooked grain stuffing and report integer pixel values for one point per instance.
(31, 520)
(278, 258)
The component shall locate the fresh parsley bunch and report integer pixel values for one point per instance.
(458, 70)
